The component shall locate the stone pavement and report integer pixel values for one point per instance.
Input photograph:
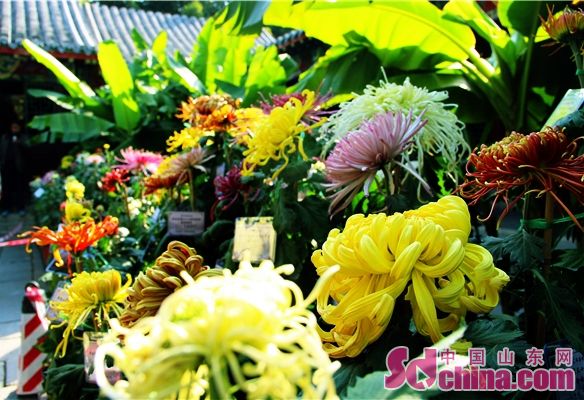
(16, 269)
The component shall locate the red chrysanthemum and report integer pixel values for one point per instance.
(229, 188)
(540, 162)
(113, 178)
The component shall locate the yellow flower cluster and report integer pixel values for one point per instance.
(95, 294)
(278, 134)
(246, 334)
(75, 211)
(379, 256)
(74, 189)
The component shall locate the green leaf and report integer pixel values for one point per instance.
(570, 259)
(186, 77)
(60, 99)
(405, 34)
(520, 15)
(295, 171)
(341, 70)
(72, 127)
(523, 248)
(312, 147)
(218, 55)
(246, 16)
(565, 311)
(159, 47)
(117, 75)
(265, 75)
(71, 83)
(470, 13)
(138, 40)
(489, 332)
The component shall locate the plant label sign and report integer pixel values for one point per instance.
(186, 223)
(59, 295)
(570, 103)
(255, 239)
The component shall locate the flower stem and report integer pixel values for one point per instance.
(78, 263)
(191, 190)
(547, 259)
(579, 63)
(389, 188)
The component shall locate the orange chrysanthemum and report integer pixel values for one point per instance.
(73, 238)
(540, 162)
(206, 115)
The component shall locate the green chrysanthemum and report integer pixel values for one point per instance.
(442, 135)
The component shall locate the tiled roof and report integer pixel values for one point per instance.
(69, 26)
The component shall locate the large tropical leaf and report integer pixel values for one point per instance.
(185, 76)
(405, 34)
(117, 75)
(469, 13)
(221, 56)
(246, 16)
(265, 75)
(71, 127)
(72, 84)
(60, 99)
(341, 70)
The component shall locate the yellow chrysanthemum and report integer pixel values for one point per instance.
(187, 138)
(74, 189)
(278, 135)
(245, 334)
(75, 211)
(380, 255)
(95, 294)
(247, 121)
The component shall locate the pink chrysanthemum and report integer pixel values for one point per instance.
(139, 160)
(377, 144)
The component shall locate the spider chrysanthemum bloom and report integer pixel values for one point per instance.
(229, 188)
(205, 116)
(565, 27)
(424, 250)
(212, 113)
(161, 280)
(541, 162)
(442, 136)
(278, 135)
(315, 114)
(73, 238)
(377, 144)
(176, 169)
(139, 160)
(96, 294)
(113, 179)
(246, 334)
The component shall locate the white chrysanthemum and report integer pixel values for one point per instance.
(442, 136)
(246, 333)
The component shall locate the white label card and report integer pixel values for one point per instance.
(255, 239)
